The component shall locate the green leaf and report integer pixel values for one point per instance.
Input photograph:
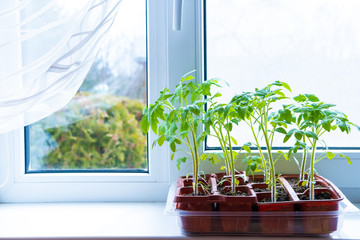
(312, 98)
(287, 137)
(253, 166)
(247, 148)
(300, 98)
(183, 134)
(289, 134)
(201, 138)
(299, 134)
(298, 121)
(190, 77)
(214, 158)
(229, 126)
(281, 130)
(330, 155)
(233, 140)
(194, 109)
(172, 156)
(184, 126)
(153, 124)
(179, 161)
(234, 154)
(162, 129)
(286, 86)
(286, 115)
(326, 125)
(334, 127)
(357, 126)
(154, 144)
(173, 146)
(222, 167)
(347, 158)
(161, 140)
(326, 106)
(144, 124)
(304, 183)
(311, 135)
(344, 127)
(203, 157)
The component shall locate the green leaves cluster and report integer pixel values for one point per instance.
(311, 119)
(255, 109)
(219, 122)
(175, 118)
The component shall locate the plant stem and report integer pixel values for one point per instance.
(302, 175)
(193, 159)
(233, 179)
(227, 159)
(312, 163)
(272, 165)
(195, 162)
(260, 151)
(225, 153)
(272, 170)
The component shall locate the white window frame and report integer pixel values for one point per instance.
(171, 53)
(164, 45)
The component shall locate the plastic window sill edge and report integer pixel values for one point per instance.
(121, 220)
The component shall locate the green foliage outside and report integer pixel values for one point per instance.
(92, 132)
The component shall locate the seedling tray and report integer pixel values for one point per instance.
(217, 214)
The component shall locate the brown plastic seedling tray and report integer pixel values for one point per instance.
(214, 213)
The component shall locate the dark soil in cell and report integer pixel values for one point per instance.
(320, 196)
(238, 194)
(294, 183)
(199, 194)
(261, 189)
(281, 196)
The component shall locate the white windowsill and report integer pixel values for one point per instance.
(107, 220)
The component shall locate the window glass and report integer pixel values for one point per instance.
(314, 46)
(98, 130)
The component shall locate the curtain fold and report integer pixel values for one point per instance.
(46, 50)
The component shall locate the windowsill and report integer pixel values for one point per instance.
(107, 220)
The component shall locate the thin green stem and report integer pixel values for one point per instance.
(224, 149)
(311, 177)
(260, 151)
(272, 167)
(303, 162)
(272, 136)
(321, 133)
(193, 160)
(233, 179)
(196, 161)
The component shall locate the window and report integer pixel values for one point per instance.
(313, 46)
(98, 130)
(171, 52)
(37, 182)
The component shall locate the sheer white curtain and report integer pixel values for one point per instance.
(46, 50)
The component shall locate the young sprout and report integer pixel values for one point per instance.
(313, 119)
(175, 118)
(255, 110)
(219, 121)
